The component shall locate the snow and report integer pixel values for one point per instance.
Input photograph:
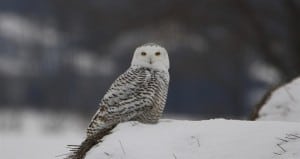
(209, 139)
(26, 34)
(23, 30)
(263, 72)
(37, 135)
(88, 64)
(283, 104)
(18, 145)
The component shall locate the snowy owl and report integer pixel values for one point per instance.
(138, 94)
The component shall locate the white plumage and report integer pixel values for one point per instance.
(138, 94)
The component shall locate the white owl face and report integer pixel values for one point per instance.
(152, 56)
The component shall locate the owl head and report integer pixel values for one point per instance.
(151, 56)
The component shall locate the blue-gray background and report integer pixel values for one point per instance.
(62, 55)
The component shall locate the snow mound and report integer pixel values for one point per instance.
(283, 104)
(210, 139)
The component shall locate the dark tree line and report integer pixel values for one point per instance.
(212, 44)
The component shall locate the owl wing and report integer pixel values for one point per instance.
(128, 97)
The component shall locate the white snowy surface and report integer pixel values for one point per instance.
(276, 135)
(208, 139)
(25, 146)
(283, 104)
(36, 135)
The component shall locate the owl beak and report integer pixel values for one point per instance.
(150, 61)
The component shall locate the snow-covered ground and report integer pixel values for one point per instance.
(276, 135)
(169, 139)
(208, 139)
(37, 135)
(36, 146)
(283, 104)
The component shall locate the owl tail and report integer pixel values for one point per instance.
(79, 151)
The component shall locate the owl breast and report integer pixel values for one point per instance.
(159, 82)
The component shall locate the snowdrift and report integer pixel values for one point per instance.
(283, 104)
(275, 135)
(208, 139)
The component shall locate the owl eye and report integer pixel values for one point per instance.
(157, 53)
(143, 54)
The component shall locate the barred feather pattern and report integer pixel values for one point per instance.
(138, 94)
(79, 151)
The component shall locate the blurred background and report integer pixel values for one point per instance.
(58, 58)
